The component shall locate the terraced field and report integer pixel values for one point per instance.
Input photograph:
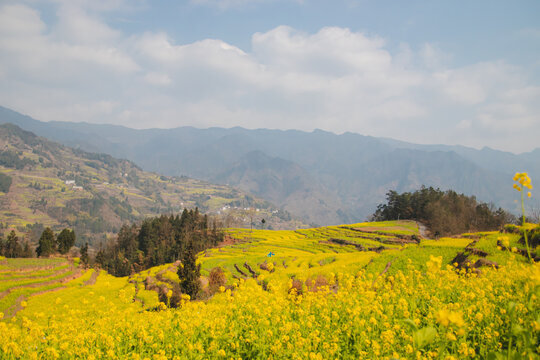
(360, 291)
(306, 252)
(21, 279)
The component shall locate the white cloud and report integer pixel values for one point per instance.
(157, 78)
(20, 20)
(333, 51)
(76, 26)
(433, 57)
(457, 87)
(81, 68)
(29, 49)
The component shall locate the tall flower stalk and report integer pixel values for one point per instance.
(523, 181)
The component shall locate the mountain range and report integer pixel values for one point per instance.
(324, 178)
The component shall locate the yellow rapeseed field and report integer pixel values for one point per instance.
(316, 300)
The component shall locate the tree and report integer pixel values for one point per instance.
(27, 251)
(12, 247)
(443, 212)
(189, 272)
(85, 259)
(47, 243)
(5, 183)
(2, 245)
(157, 241)
(65, 240)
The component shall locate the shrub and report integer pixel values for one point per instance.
(511, 229)
(315, 285)
(216, 279)
(170, 295)
(298, 286)
(533, 236)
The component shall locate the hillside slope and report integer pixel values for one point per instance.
(57, 186)
(284, 183)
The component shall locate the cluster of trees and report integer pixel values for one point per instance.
(50, 244)
(160, 240)
(11, 159)
(5, 182)
(443, 212)
(12, 248)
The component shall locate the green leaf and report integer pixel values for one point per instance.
(411, 324)
(495, 356)
(424, 336)
(517, 330)
(511, 308)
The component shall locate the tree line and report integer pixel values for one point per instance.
(160, 240)
(48, 244)
(443, 212)
(12, 247)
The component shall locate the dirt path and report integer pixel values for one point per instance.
(31, 269)
(15, 308)
(422, 229)
(136, 298)
(92, 279)
(54, 274)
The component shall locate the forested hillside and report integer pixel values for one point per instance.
(443, 212)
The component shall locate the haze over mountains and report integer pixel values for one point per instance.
(323, 177)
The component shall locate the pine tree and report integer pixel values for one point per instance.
(85, 259)
(27, 251)
(47, 243)
(189, 272)
(2, 245)
(65, 240)
(12, 248)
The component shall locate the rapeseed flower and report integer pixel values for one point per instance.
(434, 263)
(524, 181)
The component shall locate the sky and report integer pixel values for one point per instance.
(423, 71)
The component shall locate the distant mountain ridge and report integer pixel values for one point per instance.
(323, 177)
